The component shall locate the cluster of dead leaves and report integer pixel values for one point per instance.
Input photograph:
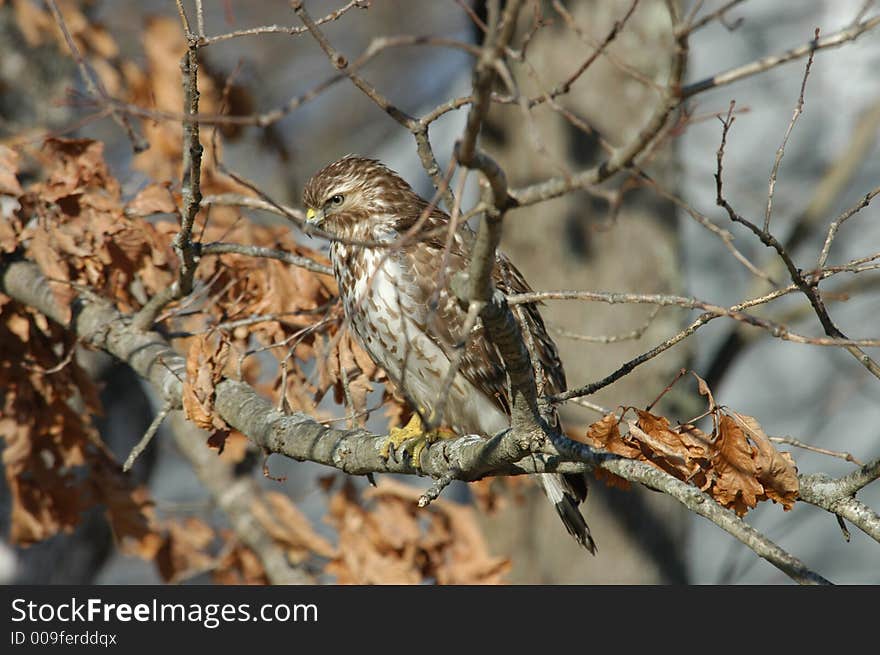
(75, 224)
(72, 224)
(55, 464)
(383, 538)
(389, 540)
(736, 463)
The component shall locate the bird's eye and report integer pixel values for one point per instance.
(337, 199)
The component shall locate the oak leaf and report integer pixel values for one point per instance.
(9, 184)
(735, 475)
(152, 199)
(184, 550)
(205, 364)
(289, 526)
(775, 470)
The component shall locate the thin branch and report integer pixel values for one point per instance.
(220, 248)
(772, 61)
(663, 300)
(603, 49)
(780, 153)
(147, 438)
(632, 364)
(419, 129)
(726, 236)
(565, 86)
(633, 335)
(815, 449)
(808, 287)
(476, 288)
(94, 84)
(692, 24)
(838, 496)
(627, 155)
(834, 181)
(251, 202)
(190, 188)
(282, 29)
(340, 62)
(840, 220)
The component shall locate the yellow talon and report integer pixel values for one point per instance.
(412, 435)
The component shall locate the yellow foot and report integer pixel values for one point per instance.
(412, 437)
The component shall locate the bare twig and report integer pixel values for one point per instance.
(631, 71)
(838, 496)
(663, 300)
(772, 61)
(220, 248)
(834, 181)
(340, 62)
(807, 287)
(633, 335)
(94, 84)
(476, 288)
(840, 220)
(433, 492)
(628, 154)
(692, 24)
(190, 188)
(282, 29)
(780, 153)
(147, 438)
(822, 451)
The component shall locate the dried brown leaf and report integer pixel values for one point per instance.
(364, 555)
(238, 565)
(664, 446)
(735, 474)
(775, 471)
(289, 526)
(392, 540)
(153, 199)
(9, 184)
(184, 550)
(704, 390)
(205, 364)
(129, 509)
(605, 434)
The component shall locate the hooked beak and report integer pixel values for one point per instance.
(313, 218)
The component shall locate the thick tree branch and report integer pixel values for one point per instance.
(298, 436)
(838, 496)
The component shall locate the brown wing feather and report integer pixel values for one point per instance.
(442, 318)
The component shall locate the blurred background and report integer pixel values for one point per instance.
(647, 244)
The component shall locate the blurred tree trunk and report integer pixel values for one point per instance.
(575, 243)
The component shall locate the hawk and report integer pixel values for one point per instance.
(401, 308)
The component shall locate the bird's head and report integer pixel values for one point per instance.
(359, 198)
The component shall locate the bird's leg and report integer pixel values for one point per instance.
(413, 436)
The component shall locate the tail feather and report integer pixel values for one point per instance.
(566, 497)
